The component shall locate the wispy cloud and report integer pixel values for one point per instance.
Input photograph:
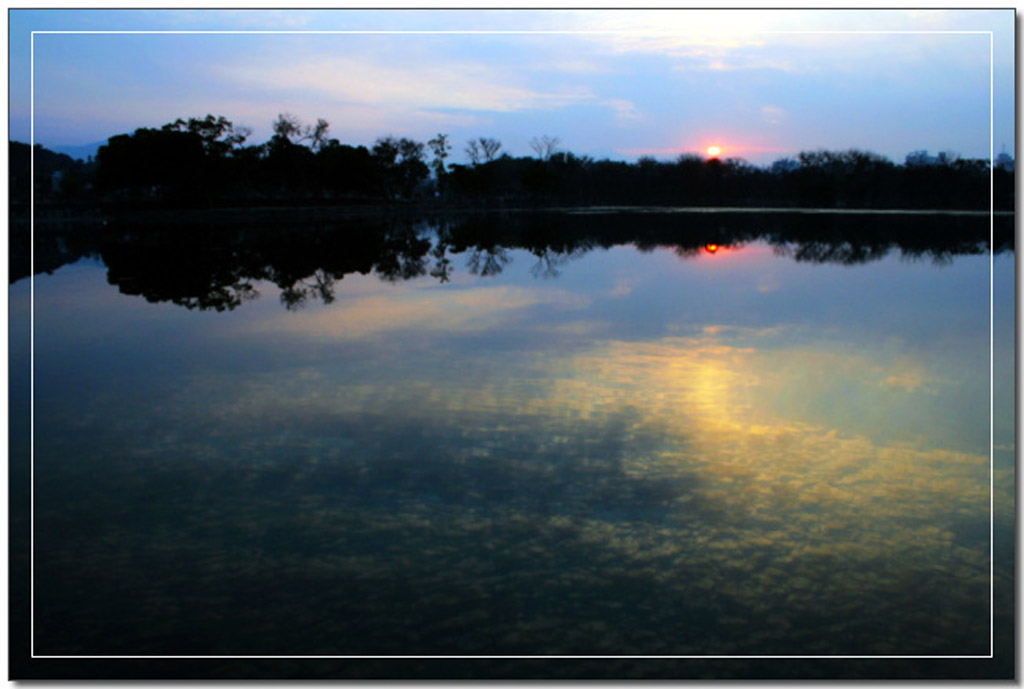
(351, 80)
(623, 287)
(911, 381)
(573, 66)
(772, 114)
(463, 311)
(623, 109)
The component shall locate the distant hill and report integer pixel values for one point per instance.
(81, 152)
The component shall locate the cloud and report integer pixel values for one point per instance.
(714, 407)
(739, 330)
(791, 42)
(768, 283)
(776, 516)
(722, 61)
(361, 81)
(911, 381)
(717, 399)
(624, 109)
(623, 287)
(773, 114)
(418, 309)
(573, 66)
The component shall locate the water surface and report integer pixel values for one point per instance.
(597, 434)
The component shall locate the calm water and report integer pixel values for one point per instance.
(585, 434)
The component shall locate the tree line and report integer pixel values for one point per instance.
(209, 162)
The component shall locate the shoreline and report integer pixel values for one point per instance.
(48, 215)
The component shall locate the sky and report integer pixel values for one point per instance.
(761, 85)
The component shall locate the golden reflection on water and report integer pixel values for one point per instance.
(793, 501)
(704, 395)
(775, 510)
(719, 405)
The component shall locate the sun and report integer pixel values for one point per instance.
(714, 151)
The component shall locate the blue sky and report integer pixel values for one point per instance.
(617, 84)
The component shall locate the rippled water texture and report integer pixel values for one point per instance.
(633, 434)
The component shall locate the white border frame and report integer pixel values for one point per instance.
(991, 415)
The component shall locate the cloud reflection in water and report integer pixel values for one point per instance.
(613, 462)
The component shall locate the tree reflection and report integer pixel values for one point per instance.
(402, 254)
(488, 261)
(218, 266)
(548, 262)
(442, 269)
(320, 285)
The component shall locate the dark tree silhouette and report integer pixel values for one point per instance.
(218, 134)
(441, 148)
(489, 148)
(318, 135)
(287, 127)
(400, 164)
(545, 146)
(155, 162)
(205, 161)
(473, 152)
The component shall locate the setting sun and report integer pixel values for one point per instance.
(714, 151)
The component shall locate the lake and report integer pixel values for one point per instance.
(591, 433)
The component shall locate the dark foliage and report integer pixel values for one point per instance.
(204, 162)
(57, 176)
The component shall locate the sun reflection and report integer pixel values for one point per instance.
(717, 250)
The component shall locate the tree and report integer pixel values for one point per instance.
(385, 150)
(218, 134)
(318, 136)
(545, 146)
(440, 147)
(410, 150)
(288, 128)
(345, 169)
(411, 167)
(919, 159)
(784, 166)
(490, 148)
(385, 160)
(473, 152)
(400, 164)
(165, 162)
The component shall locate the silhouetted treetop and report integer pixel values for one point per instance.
(545, 146)
(218, 134)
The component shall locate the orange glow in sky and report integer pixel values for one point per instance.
(714, 151)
